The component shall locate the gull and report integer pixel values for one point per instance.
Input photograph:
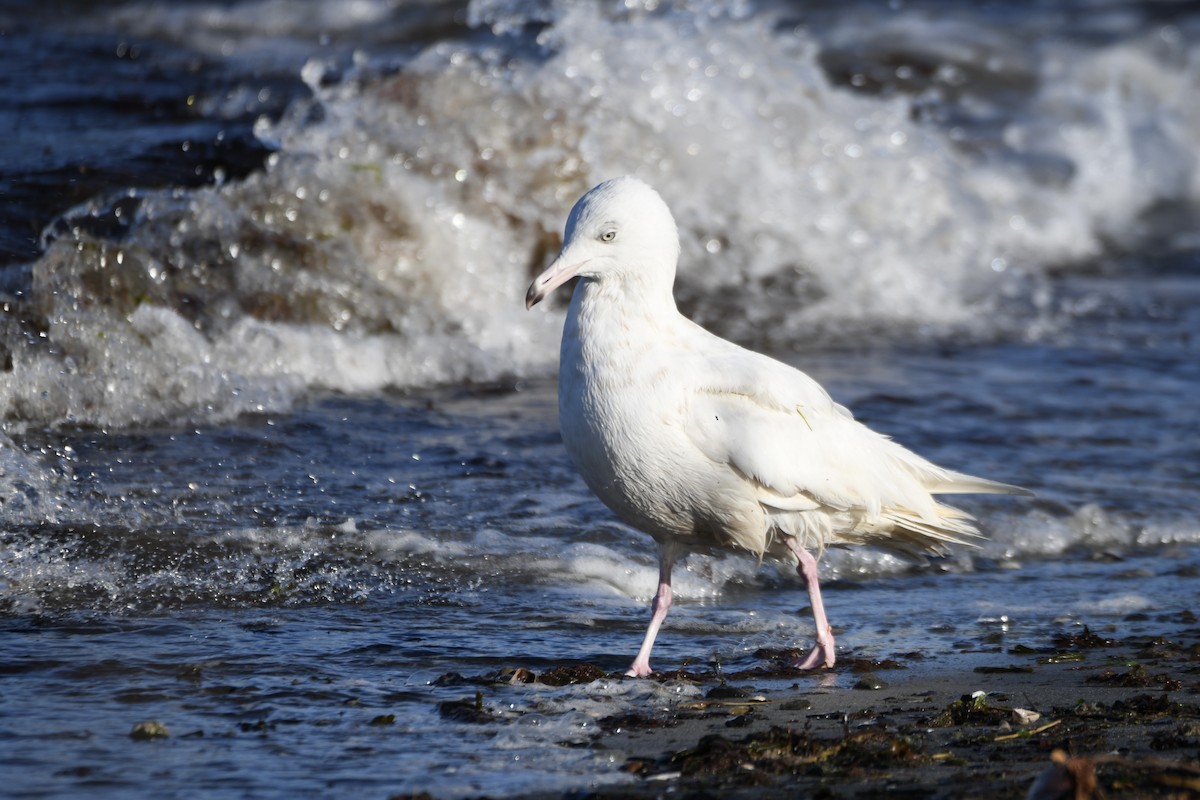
(706, 445)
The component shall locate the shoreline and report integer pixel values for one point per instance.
(1083, 717)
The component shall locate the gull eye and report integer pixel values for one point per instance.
(608, 235)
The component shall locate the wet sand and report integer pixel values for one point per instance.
(1085, 716)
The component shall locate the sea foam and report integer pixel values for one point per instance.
(388, 240)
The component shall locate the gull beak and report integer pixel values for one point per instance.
(558, 273)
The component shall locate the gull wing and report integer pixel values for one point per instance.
(801, 451)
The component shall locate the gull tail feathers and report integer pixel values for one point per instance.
(950, 482)
(911, 532)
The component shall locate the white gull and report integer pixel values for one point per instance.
(703, 444)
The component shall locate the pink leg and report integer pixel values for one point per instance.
(823, 653)
(660, 606)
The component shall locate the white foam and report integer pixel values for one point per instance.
(1120, 605)
(1179, 532)
(388, 241)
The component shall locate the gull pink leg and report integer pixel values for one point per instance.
(660, 606)
(823, 653)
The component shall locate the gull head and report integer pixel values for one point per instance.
(620, 232)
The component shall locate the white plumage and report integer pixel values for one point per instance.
(701, 443)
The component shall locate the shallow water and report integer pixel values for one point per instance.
(280, 445)
(270, 588)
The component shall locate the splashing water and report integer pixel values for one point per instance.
(408, 200)
(280, 457)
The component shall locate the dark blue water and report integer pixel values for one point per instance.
(280, 451)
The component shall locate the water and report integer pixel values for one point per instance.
(280, 449)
